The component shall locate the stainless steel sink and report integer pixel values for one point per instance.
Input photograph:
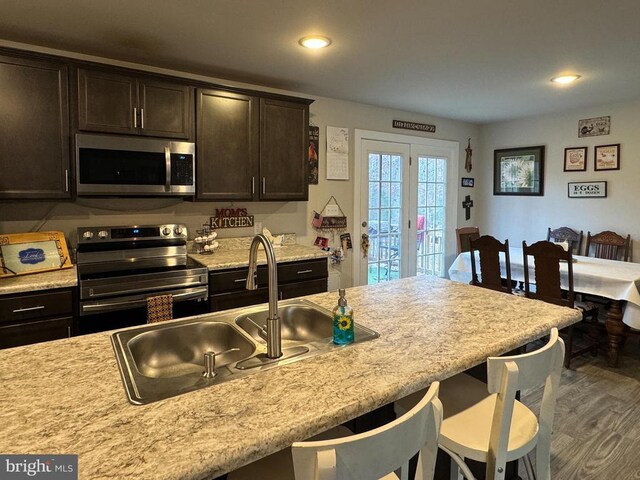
(163, 360)
(176, 350)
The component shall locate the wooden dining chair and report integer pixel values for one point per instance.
(484, 421)
(375, 454)
(609, 245)
(463, 235)
(488, 249)
(547, 257)
(566, 234)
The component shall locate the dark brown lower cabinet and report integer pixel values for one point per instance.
(295, 279)
(36, 317)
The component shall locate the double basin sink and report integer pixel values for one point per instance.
(164, 360)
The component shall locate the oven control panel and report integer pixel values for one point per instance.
(87, 235)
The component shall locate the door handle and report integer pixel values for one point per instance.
(135, 117)
(142, 118)
(264, 185)
(253, 185)
(167, 161)
(28, 309)
(302, 272)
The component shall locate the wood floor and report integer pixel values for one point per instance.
(596, 434)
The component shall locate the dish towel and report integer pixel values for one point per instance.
(159, 308)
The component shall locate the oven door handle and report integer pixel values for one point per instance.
(197, 294)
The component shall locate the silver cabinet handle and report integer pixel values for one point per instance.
(238, 280)
(68, 332)
(135, 117)
(300, 272)
(264, 185)
(29, 309)
(66, 180)
(253, 185)
(142, 118)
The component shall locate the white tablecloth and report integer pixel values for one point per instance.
(605, 278)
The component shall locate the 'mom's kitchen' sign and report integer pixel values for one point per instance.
(587, 189)
(231, 218)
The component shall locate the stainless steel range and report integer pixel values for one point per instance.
(120, 267)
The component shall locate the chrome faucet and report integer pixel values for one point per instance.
(274, 340)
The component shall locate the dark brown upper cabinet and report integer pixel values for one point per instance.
(227, 142)
(34, 121)
(113, 103)
(251, 148)
(284, 141)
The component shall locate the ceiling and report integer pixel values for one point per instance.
(475, 60)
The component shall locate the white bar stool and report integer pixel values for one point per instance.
(487, 424)
(373, 454)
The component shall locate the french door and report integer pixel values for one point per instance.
(403, 208)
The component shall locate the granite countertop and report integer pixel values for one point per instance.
(66, 396)
(239, 257)
(39, 281)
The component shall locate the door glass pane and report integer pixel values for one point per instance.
(385, 214)
(430, 224)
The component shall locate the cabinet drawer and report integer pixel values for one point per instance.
(38, 331)
(300, 289)
(225, 301)
(28, 307)
(230, 280)
(300, 271)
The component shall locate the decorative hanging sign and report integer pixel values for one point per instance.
(421, 127)
(312, 154)
(331, 217)
(231, 218)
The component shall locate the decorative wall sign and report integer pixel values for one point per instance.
(575, 159)
(345, 240)
(312, 157)
(607, 157)
(519, 171)
(593, 127)
(22, 253)
(231, 218)
(467, 159)
(587, 189)
(421, 127)
(331, 217)
(467, 182)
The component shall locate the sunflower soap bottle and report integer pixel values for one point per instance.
(342, 321)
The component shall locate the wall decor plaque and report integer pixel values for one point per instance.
(421, 127)
(519, 171)
(587, 189)
(231, 218)
(607, 157)
(312, 154)
(575, 159)
(23, 253)
(594, 127)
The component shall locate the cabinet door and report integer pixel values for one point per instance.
(227, 146)
(284, 132)
(34, 125)
(300, 289)
(165, 109)
(107, 102)
(14, 335)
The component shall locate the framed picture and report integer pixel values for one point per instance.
(607, 157)
(593, 127)
(467, 182)
(587, 189)
(519, 171)
(575, 159)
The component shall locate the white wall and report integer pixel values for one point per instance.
(293, 217)
(527, 218)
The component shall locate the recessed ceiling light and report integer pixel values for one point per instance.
(565, 79)
(315, 41)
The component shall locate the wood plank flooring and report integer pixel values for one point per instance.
(596, 433)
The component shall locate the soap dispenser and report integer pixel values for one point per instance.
(343, 331)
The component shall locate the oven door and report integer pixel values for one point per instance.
(116, 165)
(128, 311)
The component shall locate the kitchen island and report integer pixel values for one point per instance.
(67, 396)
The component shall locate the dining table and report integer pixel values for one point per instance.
(613, 280)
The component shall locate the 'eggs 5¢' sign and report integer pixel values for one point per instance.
(587, 189)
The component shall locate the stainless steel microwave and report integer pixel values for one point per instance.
(133, 166)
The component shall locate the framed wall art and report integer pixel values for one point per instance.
(575, 159)
(607, 157)
(467, 182)
(587, 189)
(519, 171)
(23, 253)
